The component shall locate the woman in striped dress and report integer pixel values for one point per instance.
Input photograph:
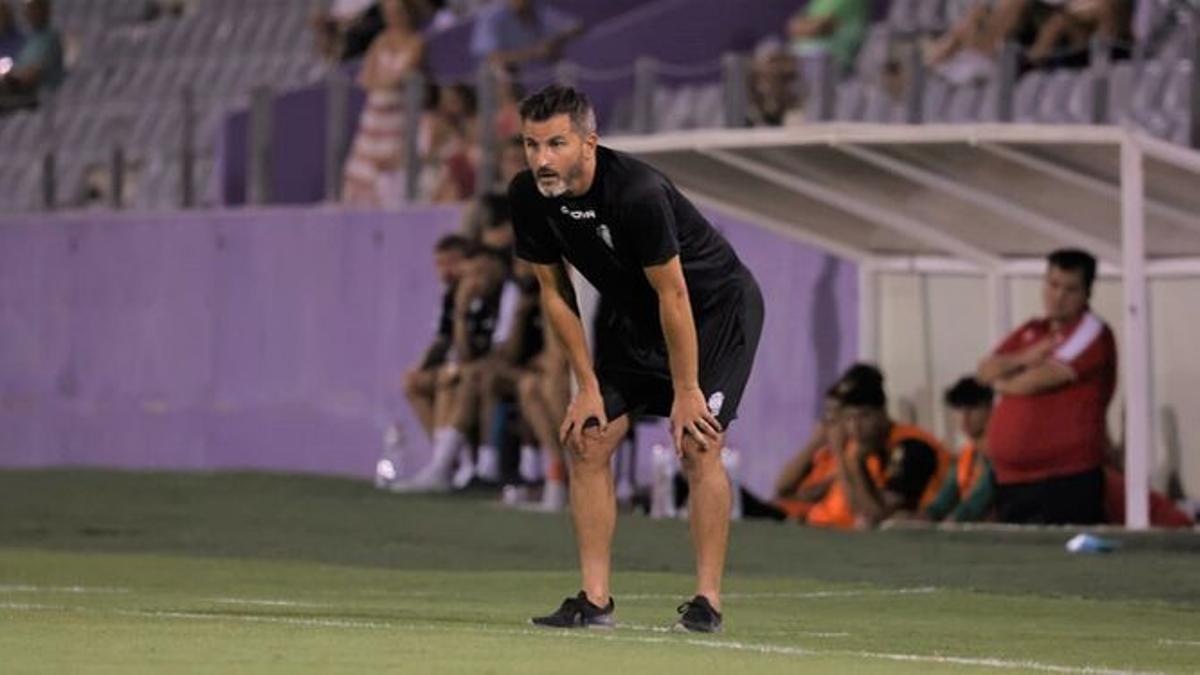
(374, 173)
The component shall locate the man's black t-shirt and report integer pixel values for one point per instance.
(631, 218)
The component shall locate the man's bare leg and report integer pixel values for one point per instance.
(594, 505)
(419, 389)
(710, 501)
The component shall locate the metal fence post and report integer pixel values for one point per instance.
(485, 171)
(261, 124)
(1007, 81)
(49, 170)
(336, 91)
(1193, 139)
(414, 106)
(1101, 67)
(187, 154)
(914, 98)
(735, 88)
(822, 71)
(645, 81)
(117, 177)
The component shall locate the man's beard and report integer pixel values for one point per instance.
(562, 187)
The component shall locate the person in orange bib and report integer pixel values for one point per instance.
(968, 491)
(884, 468)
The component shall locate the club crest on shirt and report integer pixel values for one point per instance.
(603, 232)
(716, 402)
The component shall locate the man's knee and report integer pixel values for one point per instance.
(697, 459)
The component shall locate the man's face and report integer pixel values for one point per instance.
(487, 270)
(972, 422)
(866, 425)
(557, 154)
(448, 265)
(1063, 294)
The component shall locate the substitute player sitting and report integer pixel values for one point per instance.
(679, 344)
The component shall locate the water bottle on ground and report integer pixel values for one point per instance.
(390, 466)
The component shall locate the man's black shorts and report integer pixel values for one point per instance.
(636, 378)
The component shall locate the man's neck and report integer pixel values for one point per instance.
(1059, 324)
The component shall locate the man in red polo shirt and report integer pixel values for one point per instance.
(1056, 376)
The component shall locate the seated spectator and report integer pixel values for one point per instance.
(1065, 36)
(513, 33)
(346, 30)
(967, 52)
(1056, 375)
(11, 38)
(836, 27)
(967, 492)
(38, 65)
(477, 308)
(807, 477)
(375, 174)
(420, 382)
(884, 468)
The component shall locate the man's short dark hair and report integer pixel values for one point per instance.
(1075, 260)
(453, 243)
(864, 391)
(969, 393)
(559, 100)
(859, 372)
(498, 210)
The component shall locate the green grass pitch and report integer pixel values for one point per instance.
(105, 572)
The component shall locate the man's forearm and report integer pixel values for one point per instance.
(999, 367)
(563, 316)
(679, 329)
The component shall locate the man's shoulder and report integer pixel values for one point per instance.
(635, 179)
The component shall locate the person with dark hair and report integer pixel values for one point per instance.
(478, 303)
(967, 492)
(1056, 376)
(678, 341)
(38, 64)
(513, 33)
(884, 468)
(374, 174)
(11, 38)
(420, 382)
(806, 478)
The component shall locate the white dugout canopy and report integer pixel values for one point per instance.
(989, 200)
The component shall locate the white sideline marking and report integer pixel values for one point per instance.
(28, 606)
(1186, 643)
(265, 602)
(671, 629)
(709, 643)
(20, 588)
(985, 662)
(919, 590)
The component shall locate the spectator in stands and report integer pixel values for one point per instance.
(38, 65)
(11, 38)
(453, 150)
(346, 30)
(420, 382)
(1064, 37)
(1056, 375)
(836, 27)
(375, 172)
(968, 51)
(967, 492)
(807, 477)
(477, 308)
(884, 468)
(512, 33)
(493, 379)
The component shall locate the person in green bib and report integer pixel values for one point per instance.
(837, 27)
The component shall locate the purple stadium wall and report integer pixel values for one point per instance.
(275, 339)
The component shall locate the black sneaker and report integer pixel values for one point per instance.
(698, 616)
(578, 612)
